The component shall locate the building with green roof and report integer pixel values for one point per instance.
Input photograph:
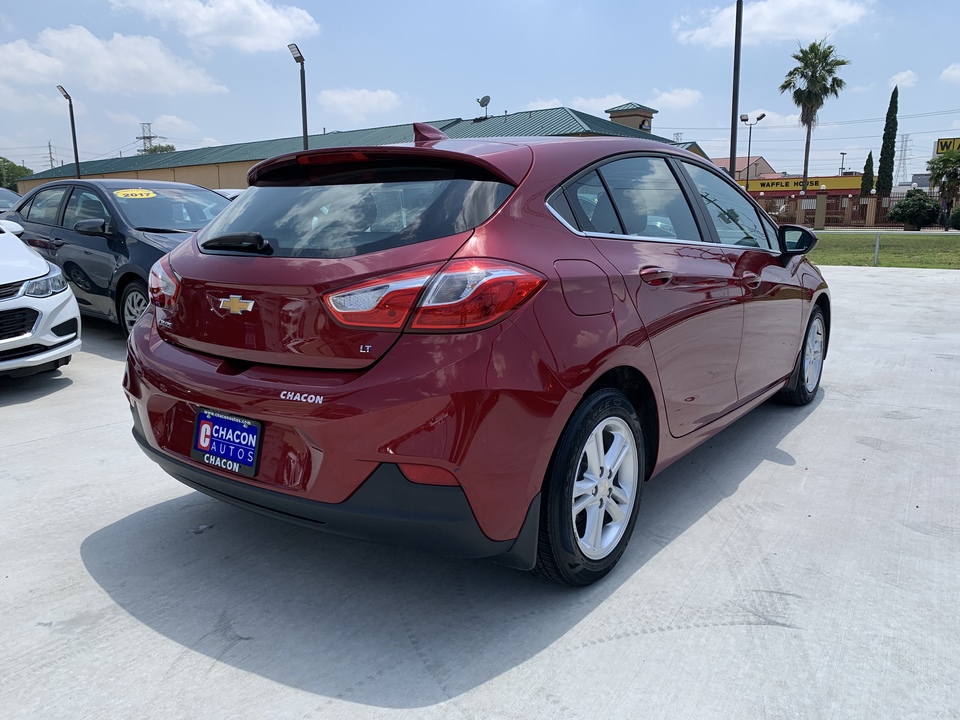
(226, 166)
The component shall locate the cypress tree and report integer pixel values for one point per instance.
(889, 147)
(866, 180)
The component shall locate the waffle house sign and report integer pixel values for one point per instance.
(836, 183)
(944, 144)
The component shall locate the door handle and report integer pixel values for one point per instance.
(655, 276)
(751, 280)
(58, 243)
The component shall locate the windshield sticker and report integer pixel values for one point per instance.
(138, 193)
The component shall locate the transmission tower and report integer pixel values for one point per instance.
(146, 134)
(678, 137)
(903, 155)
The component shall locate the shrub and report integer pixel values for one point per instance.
(955, 219)
(917, 209)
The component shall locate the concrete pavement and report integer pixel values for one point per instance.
(805, 563)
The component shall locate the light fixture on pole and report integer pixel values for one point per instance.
(73, 129)
(298, 58)
(745, 120)
(843, 157)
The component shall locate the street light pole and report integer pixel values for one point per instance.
(744, 118)
(73, 129)
(298, 58)
(738, 33)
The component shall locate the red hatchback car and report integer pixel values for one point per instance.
(480, 347)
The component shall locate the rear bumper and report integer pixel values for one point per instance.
(386, 508)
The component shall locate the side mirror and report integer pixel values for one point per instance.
(11, 227)
(94, 226)
(796, 239)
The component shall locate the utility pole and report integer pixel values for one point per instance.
(738, 32)
(50, 153)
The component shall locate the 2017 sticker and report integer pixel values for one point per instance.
(138, 193)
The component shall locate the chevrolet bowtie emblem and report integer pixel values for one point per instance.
(236, 304)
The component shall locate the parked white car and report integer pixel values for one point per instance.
(39, 317)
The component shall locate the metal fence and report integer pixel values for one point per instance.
(850, 211)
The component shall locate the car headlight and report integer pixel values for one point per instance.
(50, 284)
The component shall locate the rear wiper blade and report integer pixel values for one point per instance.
(163, 230)
(252, 242)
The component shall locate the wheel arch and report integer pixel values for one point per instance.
(632, 383)
(823, 302)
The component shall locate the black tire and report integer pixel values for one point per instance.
(575, 549)
(809, 368)
(133, 302)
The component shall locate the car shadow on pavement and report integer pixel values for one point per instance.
(103, 338)
(386, 626)
(19, 390)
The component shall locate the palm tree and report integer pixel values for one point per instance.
(945, 174)
(811, 82)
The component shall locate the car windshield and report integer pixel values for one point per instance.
(169, 209)
(360, 212)
(7, 199)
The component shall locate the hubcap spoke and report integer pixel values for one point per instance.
(603, 495)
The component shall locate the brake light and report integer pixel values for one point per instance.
(464, 295)
(469, 294)
(164, 284)
(383, 303)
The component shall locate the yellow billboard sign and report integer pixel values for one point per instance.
(795, 184)
(944, 144)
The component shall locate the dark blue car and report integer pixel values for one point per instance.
(106, 235)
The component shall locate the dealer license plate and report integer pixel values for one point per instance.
(227, 442)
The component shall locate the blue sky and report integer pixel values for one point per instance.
(209, 72)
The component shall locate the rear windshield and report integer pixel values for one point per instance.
(361, 211)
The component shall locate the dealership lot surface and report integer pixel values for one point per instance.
(805, 563)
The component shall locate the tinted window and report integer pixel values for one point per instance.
(84, 205)
(649, 199)
(558, 201)
(44, 207)
(734, 217)
(361, 211)
(7, 199)
(592, 206)
(173, 208)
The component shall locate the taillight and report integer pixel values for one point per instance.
(466, 294)
(383, 303)
(164, 284)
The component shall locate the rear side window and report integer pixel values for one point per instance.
(362, 210)
(45, 204)
(649, 199)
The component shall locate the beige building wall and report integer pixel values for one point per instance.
(221, 175)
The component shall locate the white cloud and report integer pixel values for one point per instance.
(122, 118)
(356, 104)
(596, 106)
(774, 121)
(905, 79)
(770, 21)
(543, 104)
(16, 100)
(246, 25)
(124, 64)
(174, 126)
(951, 73)
(676, 99)
(863, 88)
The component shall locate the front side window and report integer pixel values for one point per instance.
(734, 217)
(84, 205)
(45, 204)
(361, 211)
